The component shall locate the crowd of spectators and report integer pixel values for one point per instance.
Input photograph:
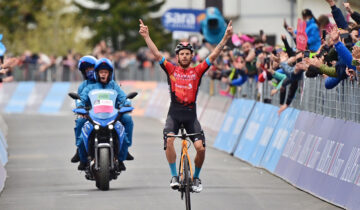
(42, 67)
(333, 52)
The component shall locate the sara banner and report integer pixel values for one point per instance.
(183, 19)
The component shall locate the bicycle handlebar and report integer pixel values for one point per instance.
(183, 135)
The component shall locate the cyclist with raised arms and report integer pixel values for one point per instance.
(184, 83)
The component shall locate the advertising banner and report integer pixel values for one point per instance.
(3, 152)
(183, 19)
(323, 158)
(279, 139)
(2, 177)
(6, 91)
(19, 98)
(264, 135)
(159, 102)
(144, 90)
(37, 96)
(253, 130)
(55, 98)
(233, 124)
(213, 115)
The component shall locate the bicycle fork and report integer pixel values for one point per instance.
(183, 153)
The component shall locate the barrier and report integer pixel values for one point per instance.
(159, 103)
(213, 114)
(6, 92)
(19, 98)
(3, 152)
(55, 98)
(2, 177)
(51, 98)
(257, 133)
(144, 89)
(323, 157)
(233, 125)
(279, 138)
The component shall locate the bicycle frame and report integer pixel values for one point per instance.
(184, 152)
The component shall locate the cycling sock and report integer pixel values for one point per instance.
(173, 169)
(197, 172)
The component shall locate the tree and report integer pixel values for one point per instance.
(40, 26)
(118, 22)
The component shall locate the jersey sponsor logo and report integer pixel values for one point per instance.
(184, 86)
(185, 76)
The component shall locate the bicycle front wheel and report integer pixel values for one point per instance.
(187, 183)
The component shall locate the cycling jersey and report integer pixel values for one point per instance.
(184, 83)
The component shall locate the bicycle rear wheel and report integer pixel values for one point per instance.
(187, 183)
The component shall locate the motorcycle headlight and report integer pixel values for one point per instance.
(111, 126)
(97, 127)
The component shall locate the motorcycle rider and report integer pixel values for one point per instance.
(86, 67)
(104, 76)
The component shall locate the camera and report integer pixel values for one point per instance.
(347, 39)
(323, 51)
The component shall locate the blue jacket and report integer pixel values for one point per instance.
(339, 18)
(313, 34)
(120, 99)
(82, 86)
(345, 60)
(345, 55)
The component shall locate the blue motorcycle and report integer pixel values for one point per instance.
(103, 135)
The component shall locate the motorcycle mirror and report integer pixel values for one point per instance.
(74, 96)
(131, 95)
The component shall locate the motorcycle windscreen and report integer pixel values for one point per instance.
(103, 103)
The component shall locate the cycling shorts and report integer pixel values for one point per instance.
(178, 115)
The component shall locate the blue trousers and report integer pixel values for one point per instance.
(128, 123)
(79, 123)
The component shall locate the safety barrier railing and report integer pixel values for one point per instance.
(342, 102)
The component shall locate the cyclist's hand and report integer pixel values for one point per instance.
(144, 31)
(229, 30)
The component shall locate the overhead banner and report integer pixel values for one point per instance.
(183, 19)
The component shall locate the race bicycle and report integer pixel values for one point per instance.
(185, 169)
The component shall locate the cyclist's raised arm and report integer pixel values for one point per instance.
(228, 33)
(144, 32)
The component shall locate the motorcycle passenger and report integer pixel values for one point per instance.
(86, 67)
(104, 74)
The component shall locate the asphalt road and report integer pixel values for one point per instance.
(40, 175)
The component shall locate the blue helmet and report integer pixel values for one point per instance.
(86, 62)
(104, 63)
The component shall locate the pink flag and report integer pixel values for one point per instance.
(301, 37)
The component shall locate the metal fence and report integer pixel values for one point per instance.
(342, 102)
